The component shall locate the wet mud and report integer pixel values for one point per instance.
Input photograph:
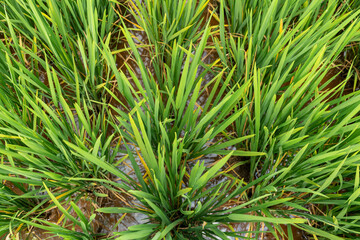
(265, 233)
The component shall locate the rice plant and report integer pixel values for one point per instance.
(296, 112)
(41, 33)
(167, 24)
(210, 119)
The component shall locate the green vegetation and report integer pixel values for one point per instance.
(160, 119)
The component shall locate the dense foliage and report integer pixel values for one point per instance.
(223, 119)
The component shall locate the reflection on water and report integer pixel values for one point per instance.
(244, 231)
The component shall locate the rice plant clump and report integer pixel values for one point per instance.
(222, 119)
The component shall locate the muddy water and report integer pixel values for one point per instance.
(265, 235)
(209, 56)
(119, 222)
(111, 222)
(125, 60)
(242, 171)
